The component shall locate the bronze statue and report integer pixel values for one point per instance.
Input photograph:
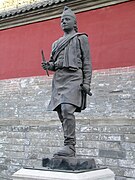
(70, 59)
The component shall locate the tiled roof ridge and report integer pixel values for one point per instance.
(30, 7)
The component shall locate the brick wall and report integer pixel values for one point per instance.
(105, 130)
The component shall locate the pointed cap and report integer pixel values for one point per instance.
(68, 12)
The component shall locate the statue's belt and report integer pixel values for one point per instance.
(68, 68)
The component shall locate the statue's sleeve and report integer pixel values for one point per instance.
(51, 61)
(86, 59)
(51, 56)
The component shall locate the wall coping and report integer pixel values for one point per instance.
(38, 13)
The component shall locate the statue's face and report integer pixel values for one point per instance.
(67, 23)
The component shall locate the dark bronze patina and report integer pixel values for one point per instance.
(71, 62)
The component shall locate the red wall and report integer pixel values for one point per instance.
(111, 33)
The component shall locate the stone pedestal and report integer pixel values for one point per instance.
(33, 174)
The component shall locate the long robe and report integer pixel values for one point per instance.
(74, 68)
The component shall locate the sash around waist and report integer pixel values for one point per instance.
(67, 68)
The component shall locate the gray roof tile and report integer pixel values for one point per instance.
(31, 7)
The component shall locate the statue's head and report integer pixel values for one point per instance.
(68, 19)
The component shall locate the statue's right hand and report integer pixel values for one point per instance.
(44, 65)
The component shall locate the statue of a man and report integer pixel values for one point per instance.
(70, 59)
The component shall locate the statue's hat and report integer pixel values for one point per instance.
(68, 12)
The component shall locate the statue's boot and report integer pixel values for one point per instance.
(66, 151)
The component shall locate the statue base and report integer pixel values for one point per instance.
(65, 168)
(34, 174)
(69, 163)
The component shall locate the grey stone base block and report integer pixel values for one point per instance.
(31, 174)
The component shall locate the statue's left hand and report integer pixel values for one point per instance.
(86, 88)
